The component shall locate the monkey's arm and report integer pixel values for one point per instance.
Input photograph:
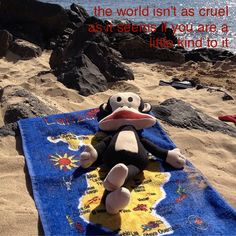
(154, 149)
(101, 146)
(93, 153)
(172, 157)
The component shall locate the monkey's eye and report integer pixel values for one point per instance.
(130, 99)
(119, 99)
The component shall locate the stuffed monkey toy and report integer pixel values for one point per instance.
(126, 152)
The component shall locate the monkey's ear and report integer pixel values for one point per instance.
(103, 107)
(147, 107)
(104, 110)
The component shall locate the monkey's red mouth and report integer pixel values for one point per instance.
(127, 115)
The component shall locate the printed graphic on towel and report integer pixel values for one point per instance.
(198, 222)
(74, 141)
(146, 192)
(65, 162)
(68, 120)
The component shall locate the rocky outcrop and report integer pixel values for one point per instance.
(181, 114)
(18, 103)
(51, 26)
(70, 63)
(135, 48)
(51, 18)
(110, 66)
(5, 41)
(40, 23)
(84, 77)
(208, 55)
(233, 58)
(74, 45)
(77, 15)
(10, 129)
(167, 34)
(25, 49)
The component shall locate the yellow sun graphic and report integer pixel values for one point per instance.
(64, 162)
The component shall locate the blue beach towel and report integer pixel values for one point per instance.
(68, 198)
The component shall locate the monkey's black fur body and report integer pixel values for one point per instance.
(110, 156)
(107, 148)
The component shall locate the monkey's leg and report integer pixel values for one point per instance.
(116, 177)
(117, 200)
(132, 171)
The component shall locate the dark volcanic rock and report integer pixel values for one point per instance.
(74, 45)
(18, 103)
(25, 50)
(33, 21)
(28, 31)
(51, 18)
(73, 17)
(77, 14)
(56, 58)
(128, 29)
(207, 55)
(85, 77)
(68, 61)
(181, 114)
(79, 10)
(116, 38)
(26, 105)
(136, 48)
(9, 129)
(107, 63)
(92, 20)
(168, 34)
(80, 37)
(17, 111)
(5, 41)
(233, 58)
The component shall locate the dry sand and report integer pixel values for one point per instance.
(212, 153)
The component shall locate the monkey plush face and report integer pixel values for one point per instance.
(125, 109)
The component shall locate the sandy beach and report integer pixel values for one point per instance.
(213, 153)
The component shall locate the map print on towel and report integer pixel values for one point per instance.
(74, 141)
(146, 192)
